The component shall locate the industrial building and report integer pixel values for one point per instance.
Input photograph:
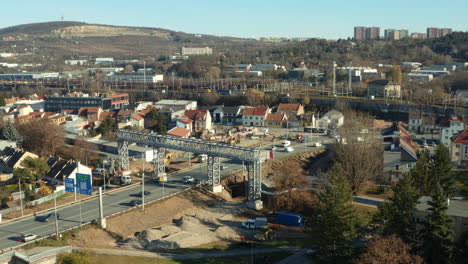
(136, 78)
(105, 102)
(29, 75)
(196, 51)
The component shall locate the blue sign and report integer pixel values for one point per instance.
(69, 185)
(83, 184)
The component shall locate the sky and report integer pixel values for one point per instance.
(329, 19)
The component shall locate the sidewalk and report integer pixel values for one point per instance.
(216, 254)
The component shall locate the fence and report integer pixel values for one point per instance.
(33, 203)
(6, 257)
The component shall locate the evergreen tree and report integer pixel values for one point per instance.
(335, 221)
(437, 234)
(398, 211)
(441, 169)
(421, 174)
(2, 101)
(9, 132)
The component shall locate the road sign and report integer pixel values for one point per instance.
(84, 183)
(69, 185)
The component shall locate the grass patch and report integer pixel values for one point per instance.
(53, 242)
(365, 213)
(257, 258)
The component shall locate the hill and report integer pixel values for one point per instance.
(69, 37)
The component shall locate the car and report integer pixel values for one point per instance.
(28, 237)
(147, 193)
(283, 137)
(274, 148)
(223, 167)
(434, 144)
(188, 179)
(288, 149)
(135, 202)
(286, 143)
(298, 130)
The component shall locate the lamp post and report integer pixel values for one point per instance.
(143, 183)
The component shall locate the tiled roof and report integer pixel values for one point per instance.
(257, 111)
(106, 115)
(288, 107)
(125, 112)
(11, 156)
(118, 95)
(185, 119)
(197, 114)
(137, 117)
(179, 132)
(462, 137)
(275, 117)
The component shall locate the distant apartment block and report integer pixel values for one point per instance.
(196, 51)
(395, 34)
(366, 33)
(104, 101)
(438, 32)
(417, 35)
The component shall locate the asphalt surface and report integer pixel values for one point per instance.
(117, 201)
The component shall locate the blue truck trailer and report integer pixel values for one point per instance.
(290, 219)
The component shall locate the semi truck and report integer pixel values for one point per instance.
(290, 219)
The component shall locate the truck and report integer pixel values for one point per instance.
(202, 158)
(290, 219)
(125, 178)
(257, 223)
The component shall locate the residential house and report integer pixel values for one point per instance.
(171, 115)
(11, 158)
(296, 109)
(179, 132)
(138, 121)
(457, 210)
(232, 115)
(185, 122)
(422, 123)
(91, 114)
(216, 113)
(331, 119)
(143, 105)
(450, 128)
(255, 116)
(276, 120)
(459, 149)
(61, 169)
(384, 88)
(201, 119)
(24, 110)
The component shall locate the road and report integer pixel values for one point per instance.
(117, 201)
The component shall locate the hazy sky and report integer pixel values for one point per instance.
(242, 18)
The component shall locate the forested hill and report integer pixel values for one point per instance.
(453, 47)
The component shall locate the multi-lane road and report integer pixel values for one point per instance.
(117, 201)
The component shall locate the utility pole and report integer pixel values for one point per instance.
(56, 217)
(349, 80)
(143, 184)
(334, 79)
(21, 199)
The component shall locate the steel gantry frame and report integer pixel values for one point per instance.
(215, 151)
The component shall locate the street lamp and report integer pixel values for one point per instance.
(21, 199)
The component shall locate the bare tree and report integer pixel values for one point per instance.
(41, 137)
(359, 150)
(390, 250)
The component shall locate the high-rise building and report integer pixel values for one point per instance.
(392, 34)
(416, 35)
(372, 33)
(438, 32)
(359, 33)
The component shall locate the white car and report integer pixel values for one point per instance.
(286, 143)
(274, 148)
(289, 149)
(26, 237)
(188, 179)
(223, 167)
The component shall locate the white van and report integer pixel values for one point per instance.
(286, 143)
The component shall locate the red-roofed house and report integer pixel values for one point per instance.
(137, 120)
(255, 116)
(296, 109)
(459, 148)
(179, 132)
(90, 113)
(185, 122)
(24, 110)
(201, 119)
(449, 129)
(276, 120)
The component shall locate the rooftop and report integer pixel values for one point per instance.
(179, 132)
(462, 137)
(455, 208)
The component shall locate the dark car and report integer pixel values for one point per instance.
(135, 202)
(147, 193)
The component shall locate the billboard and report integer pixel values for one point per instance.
(84, 185)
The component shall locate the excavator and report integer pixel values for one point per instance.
(267, 234)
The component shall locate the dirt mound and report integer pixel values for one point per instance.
(227, 233)
(183, 239)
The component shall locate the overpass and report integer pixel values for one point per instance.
(249, 156)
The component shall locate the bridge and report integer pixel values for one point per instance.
(214, 151)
